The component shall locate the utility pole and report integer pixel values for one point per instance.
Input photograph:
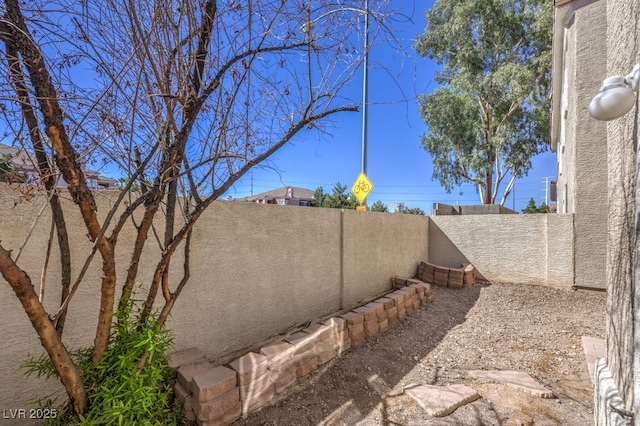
(365, 91)
(546, 190)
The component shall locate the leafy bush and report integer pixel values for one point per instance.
(119, 393)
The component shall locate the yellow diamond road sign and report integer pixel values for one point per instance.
(362, 187)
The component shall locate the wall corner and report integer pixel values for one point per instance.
(608, 406)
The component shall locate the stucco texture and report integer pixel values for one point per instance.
(623, 36)
(589, 155)
(507, 248)
(256, 271)
(377, 247)
(259, 270)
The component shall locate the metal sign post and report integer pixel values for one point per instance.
(361, 189)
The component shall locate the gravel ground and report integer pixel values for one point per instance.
(489, 326)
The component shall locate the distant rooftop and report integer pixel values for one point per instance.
(286, 192)
(25, 162)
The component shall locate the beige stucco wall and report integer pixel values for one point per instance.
(590, 140)
(560, 249)
(380, 245)
(623, 52)
(606, 44)
(17, 215)
(582, 164)
(567, 145)
(256, 270)
(507, 248)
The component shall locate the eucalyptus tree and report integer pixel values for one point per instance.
(184, 98)
(490, 114)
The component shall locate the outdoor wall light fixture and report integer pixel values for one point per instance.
(616, 96)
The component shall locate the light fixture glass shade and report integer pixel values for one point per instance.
(615, 99)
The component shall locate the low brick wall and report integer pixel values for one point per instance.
(219, 395)
(440, 276)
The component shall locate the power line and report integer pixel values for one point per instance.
(313, 183)
(422, 193)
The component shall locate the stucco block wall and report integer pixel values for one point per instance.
(17, 216)
(380, 245)
(259, 269)
(506, 248)
(256, 270)
(560, 255)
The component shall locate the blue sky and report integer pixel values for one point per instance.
(399, 168)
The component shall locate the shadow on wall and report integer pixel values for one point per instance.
(443, 252)
(350, 387)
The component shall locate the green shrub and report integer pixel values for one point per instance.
(118, 393)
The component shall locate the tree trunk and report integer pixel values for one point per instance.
(141, 236)
(488, 189)
(47, 175)
(67, 162)
(49, 338)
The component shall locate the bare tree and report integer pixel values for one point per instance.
(184, 97)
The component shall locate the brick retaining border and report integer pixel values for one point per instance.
(441, 276)
(219, 395)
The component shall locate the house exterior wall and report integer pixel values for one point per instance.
(623, 39)
(566, 113)
(581, 141)
(590, 139)
(617, 382)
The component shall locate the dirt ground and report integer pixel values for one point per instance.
(489, 326)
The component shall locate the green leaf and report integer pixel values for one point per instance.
(490, 115)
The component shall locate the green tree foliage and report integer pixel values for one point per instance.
(8, 172)
(340, 198)
(413, 210)
(122, 183)
(532, 208)
(6, 167)
(120, 393)
(379, 206)
(490, 115)
(318, 197)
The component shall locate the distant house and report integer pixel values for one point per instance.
(286, 196)
(24, 166)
